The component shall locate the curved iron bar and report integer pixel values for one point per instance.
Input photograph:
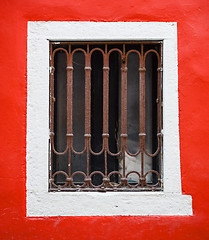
(52, 134)
(158, 148)
(110, 174)
(77, 50)
(114, 50)
(52, 82)
(108, 150)
(154, 51)
(94, 153)
(82, 173)
(53, 148)
(97, 172)
(59, 186)
(159, 134)
(136, 185)
(60, 49)
(132, 50)
(89, 139)
(71, 142)
(158, 182)
(133, 154)
(74, 151)
(114, 154)
(97, 49)
(140, 59)
(78, 153)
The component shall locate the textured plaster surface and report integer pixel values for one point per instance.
(192, 17)
(42, 203)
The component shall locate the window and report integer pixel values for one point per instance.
(42, 202)
(106, 116)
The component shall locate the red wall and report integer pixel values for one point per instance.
(193, 48)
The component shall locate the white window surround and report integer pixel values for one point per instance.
(41, 202)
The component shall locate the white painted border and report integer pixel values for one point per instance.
(40, 202)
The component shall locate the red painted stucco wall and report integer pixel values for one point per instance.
(192, 17)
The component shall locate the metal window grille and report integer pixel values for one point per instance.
(105, 98)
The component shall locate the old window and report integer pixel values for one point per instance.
(105, 116)
(86, 202)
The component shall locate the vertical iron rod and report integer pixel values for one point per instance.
(105, 104)
(69, 107)
(124, 70)
(142, 110)
(160, 74)
(87, 107)
(51, 97)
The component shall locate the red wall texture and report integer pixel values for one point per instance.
(192, 17)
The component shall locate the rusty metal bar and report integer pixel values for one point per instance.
(87, 107)
(88, 93)
(160, 78)
(124, 70)
(105, 93)
(69, 108)
(105, 134)
(51, 99)
(124, 95)
(142, 133)
(69, 94)
(108, 42)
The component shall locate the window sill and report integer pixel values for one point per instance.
(108, 204)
